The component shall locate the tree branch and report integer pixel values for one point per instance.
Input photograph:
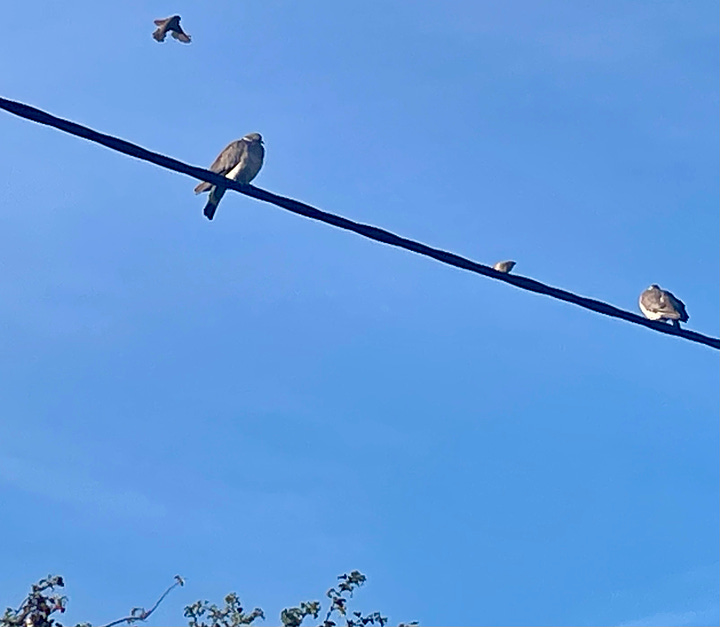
(141, 614)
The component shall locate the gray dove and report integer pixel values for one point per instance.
(170, 25)
(504, 266)
(240, 161)
(659, 304)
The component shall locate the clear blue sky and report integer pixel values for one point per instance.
(262, 402)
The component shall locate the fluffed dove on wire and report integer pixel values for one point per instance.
(504, 266)
(170, 25)
(659, 304)
(240, 161)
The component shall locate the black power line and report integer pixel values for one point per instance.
(371, 232)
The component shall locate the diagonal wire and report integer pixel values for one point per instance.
(371, 232)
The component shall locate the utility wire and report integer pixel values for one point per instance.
(371, 232)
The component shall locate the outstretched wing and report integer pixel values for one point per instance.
(161, 31)
(231, 155)
(181, 35)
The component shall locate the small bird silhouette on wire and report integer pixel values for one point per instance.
(504, 266)
(170, 25)
(659, 304)
(240, 161)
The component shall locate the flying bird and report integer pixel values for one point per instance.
(659, 304)
(170, 25)
(504, 266)
(240, 161)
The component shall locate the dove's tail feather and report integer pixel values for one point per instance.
(159, 35)
(216, 194)
(210, 209)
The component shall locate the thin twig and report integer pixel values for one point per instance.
(143, 614)
(371, 232)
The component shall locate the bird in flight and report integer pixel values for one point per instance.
(240, 161)
(659, 304)
(504, 266)
(170, 25)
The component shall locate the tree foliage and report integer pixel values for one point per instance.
(43, 603)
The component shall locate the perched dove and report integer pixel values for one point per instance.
(504, 266)
(240, 161)
(659, 304)
(170, 25)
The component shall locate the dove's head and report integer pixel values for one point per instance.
(253, 138)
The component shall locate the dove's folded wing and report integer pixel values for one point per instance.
(231, 155)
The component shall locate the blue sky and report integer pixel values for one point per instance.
(262, 402)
